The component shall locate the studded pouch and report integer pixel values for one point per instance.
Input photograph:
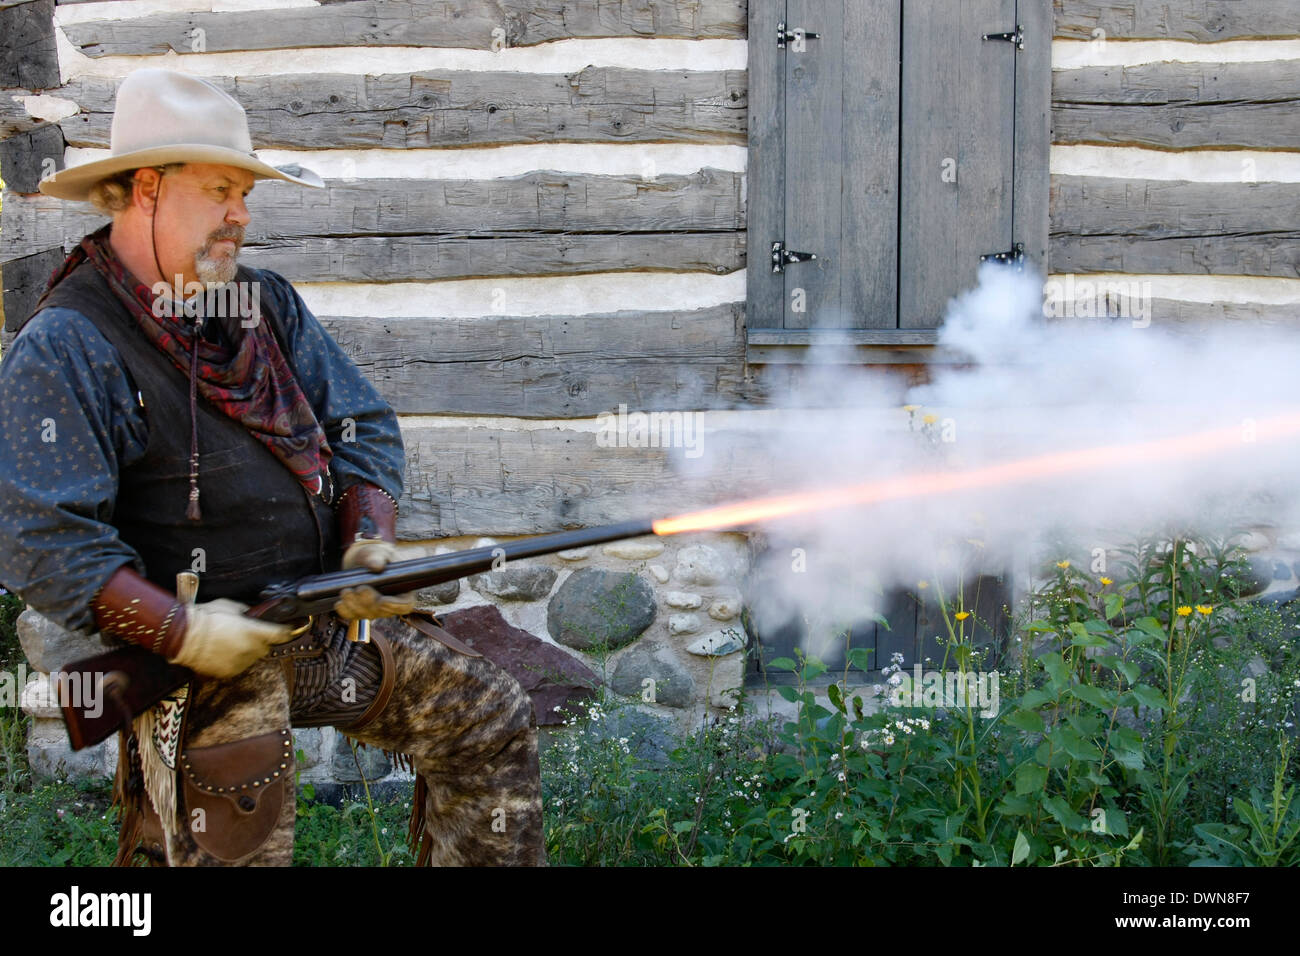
(240, 787)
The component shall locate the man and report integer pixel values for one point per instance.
(147, 433)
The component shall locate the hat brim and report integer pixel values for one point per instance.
(76, 182)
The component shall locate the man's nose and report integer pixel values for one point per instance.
(238, 212)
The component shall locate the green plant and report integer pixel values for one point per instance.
(1121, 701)
(1271, 832)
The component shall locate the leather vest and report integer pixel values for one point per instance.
(260, 525)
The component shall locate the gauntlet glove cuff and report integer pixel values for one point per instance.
(366, 512)
(136, 610)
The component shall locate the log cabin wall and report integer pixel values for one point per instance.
(536, 213)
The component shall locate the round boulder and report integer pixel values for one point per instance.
(594, 608)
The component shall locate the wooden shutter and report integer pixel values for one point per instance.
(899, 148)
(958, 140)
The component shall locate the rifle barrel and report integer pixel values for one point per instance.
(318, 593)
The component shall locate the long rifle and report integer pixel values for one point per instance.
(129, 680)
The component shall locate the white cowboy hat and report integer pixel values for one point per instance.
(166, 117)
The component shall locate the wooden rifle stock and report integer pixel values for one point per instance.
(130, 680)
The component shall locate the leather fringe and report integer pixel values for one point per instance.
(420, 842)
(128, 793)
(401, 761)
(159, 779)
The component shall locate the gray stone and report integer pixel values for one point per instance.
(575, 554)
(1258, 577)
(49, 647)
(51, 757)
(725, 606)
(445, 593)
(726, 682)
(516, 584)
(40, 696)
(673, 684)
(683, 623)
(683, 600)
(717, 644)
(374, 763)
(596, 607)
(635, 550)
(1252, 541)
(651, 738)
(309, 741)
(701, 564)
(659, 572)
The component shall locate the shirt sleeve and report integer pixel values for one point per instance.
(67, 427)
(360, 426)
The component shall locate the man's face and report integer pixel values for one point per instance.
(199, 221)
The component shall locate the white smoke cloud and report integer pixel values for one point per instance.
(1031, 386)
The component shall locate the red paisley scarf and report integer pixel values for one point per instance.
(253, 384)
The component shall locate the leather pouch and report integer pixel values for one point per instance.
(241, 788)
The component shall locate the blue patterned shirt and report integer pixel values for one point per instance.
(70, 421)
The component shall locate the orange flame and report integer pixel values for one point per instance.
(1023, 469)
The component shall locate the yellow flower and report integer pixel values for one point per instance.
(1184, 611)
(1204, 609)
(1106, 582)
(962, 615)
(922, 585)
(910, 408)
(1063, 564)
(930, 419)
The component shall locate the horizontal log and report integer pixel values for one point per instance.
(1203, 21)
(475, 480)
(14, 119)
(1179, 105)
(1160, 227)
(464, 24)
(366, 259)
(1257, 255)
(24, 281)
(536, 202)
(1176, 312)
(28, 58)
(26, 157)
(552, 366)
(439, 108)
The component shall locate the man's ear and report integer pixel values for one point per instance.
(145, 189)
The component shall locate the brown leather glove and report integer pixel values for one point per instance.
(367, 520)
(214, 638)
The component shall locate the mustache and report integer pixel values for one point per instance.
(234, 233)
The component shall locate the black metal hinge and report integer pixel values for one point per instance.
(1018, 38)
(1013, 257)
(781, 256)
(783, 35)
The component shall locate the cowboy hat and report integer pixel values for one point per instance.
(166, 117)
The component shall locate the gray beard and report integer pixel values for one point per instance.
(214, 270)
